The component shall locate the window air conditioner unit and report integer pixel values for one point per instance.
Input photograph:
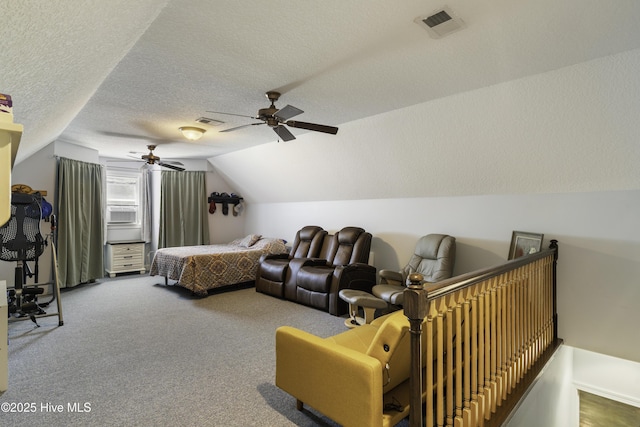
(122, 214)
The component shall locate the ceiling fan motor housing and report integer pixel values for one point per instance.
(267, 113)
(151, 158)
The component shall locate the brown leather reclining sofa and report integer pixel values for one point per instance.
(317, 267)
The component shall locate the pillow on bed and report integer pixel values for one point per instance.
(250, 240)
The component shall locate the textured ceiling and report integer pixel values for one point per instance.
(117, 75)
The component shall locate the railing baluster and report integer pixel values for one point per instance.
(525, 321)
(466, 298)
(431, 346)
(538, 310)
(482, 394)
(449, 344)
(493, 343)
(502, 367)
(442, 309)
(529, 293)
(508, 362)
(459, 367)
(519, 327)
(487, 353)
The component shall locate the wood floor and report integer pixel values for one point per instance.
(596, 411)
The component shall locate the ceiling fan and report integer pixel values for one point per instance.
(152, 159)
(276, 119)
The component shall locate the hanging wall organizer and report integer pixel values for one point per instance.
(226, 199)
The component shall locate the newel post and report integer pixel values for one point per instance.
(415, 308)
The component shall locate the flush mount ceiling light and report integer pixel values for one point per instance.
(192, 133)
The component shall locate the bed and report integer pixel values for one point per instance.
(205, 267)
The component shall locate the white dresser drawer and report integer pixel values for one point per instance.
(132, 249)
(126, 262)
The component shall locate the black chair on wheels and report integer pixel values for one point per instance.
(21, 242)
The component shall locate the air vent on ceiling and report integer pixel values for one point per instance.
(440, 23)
(208, 121)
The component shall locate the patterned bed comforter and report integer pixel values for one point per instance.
(200, 268)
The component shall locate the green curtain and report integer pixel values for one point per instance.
(183, 209)
(80, 222)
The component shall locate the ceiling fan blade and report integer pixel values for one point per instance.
(131, 159)
(283, 133)
(287, 112)
(313, 126)
(231, 114)
(126, 135)
(242, 126)
(170, 166)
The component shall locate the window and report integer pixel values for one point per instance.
(123, 197)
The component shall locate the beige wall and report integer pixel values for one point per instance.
(555, 153)
(569, 130)
(39, 172)
(598, 234)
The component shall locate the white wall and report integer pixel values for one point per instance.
(556, 153)
(570, 130)
(223, 228)
(553, 400)
(39, 172)
(598, 234)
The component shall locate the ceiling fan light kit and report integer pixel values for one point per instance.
(192, 133)
(277, 119)
(152, 159)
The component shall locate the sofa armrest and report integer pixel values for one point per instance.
(283, 255)
(265, 257)
(391, 277)
(290, 283)
(298, 263)
(357, 276)
(347, 384)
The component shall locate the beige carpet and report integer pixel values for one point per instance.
(133, 352)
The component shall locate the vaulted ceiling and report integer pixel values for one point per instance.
(117, 75)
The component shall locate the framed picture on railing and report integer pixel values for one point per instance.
(524, 243)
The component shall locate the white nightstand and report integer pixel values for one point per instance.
(124, 257)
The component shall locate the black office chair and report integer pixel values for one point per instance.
(20, 242)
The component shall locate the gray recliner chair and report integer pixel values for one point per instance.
(433, 258)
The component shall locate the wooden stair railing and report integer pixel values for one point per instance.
(487, 334)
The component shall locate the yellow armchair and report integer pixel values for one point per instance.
(357, 378)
